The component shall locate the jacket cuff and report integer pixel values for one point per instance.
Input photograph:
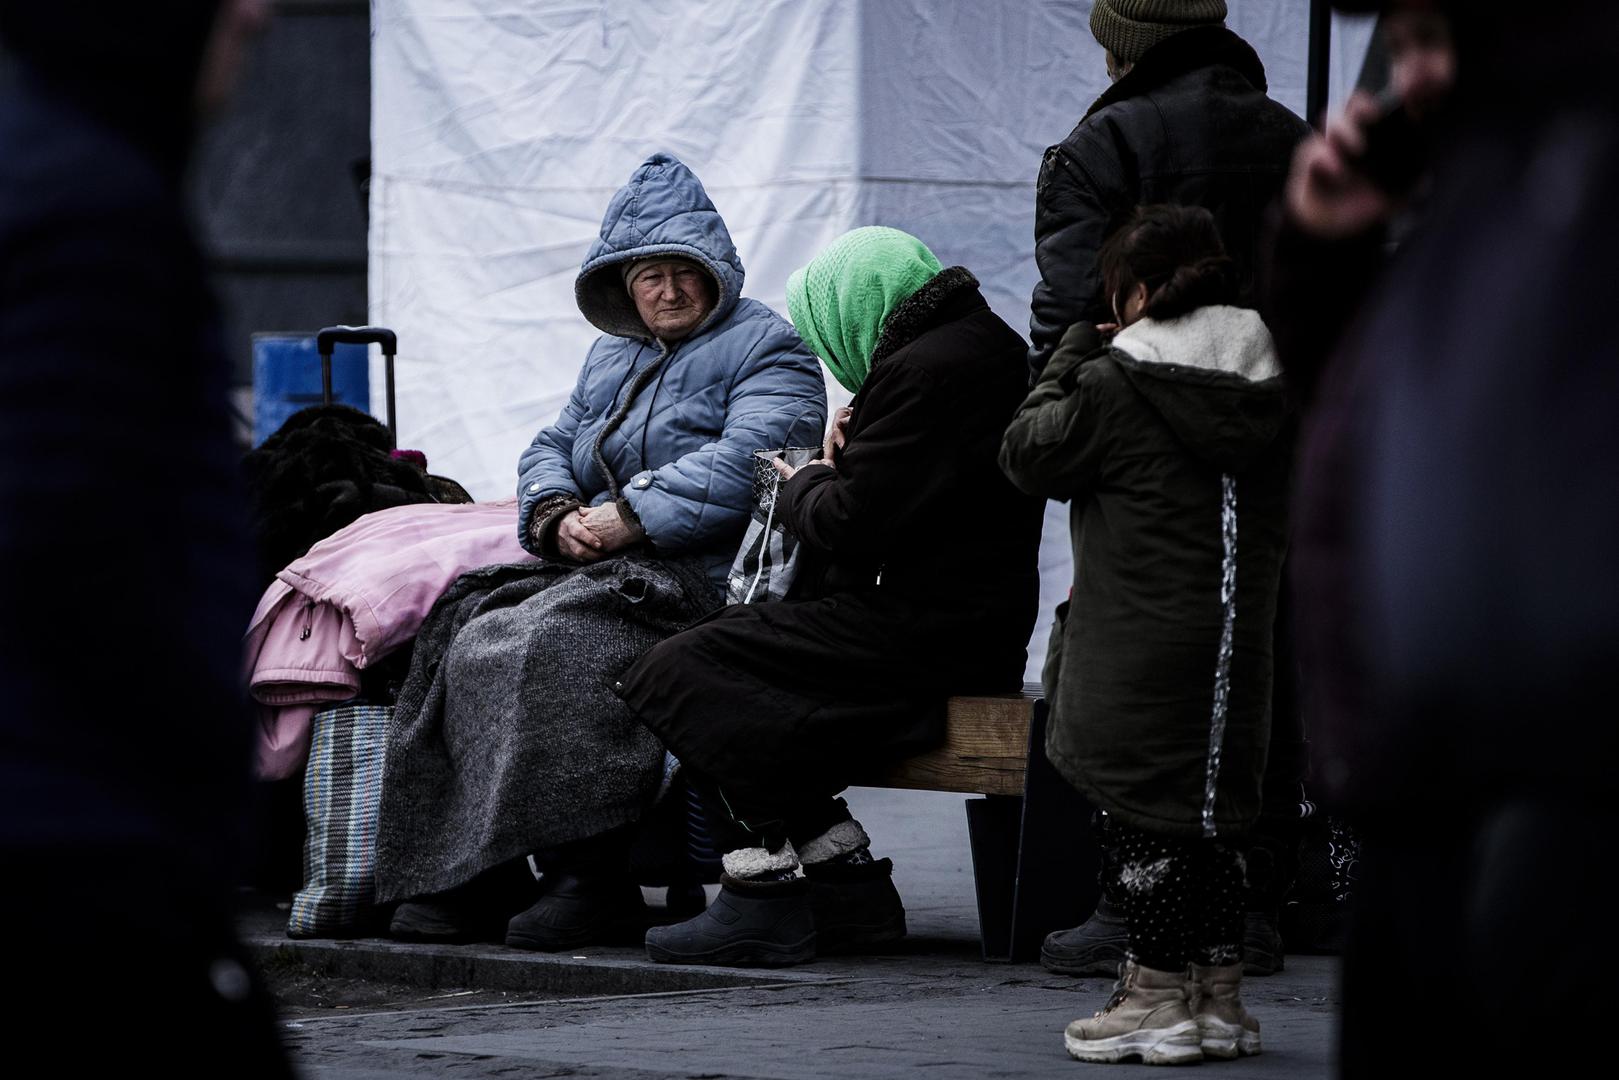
(793, 489)
(543, 522)
(1080, 342)
(631, 519)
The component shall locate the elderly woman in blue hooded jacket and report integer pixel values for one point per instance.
(689, 378)
(652, 456)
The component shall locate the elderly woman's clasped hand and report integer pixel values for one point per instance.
(591, 533)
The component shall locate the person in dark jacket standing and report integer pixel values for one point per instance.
(123, 562)
(902, 601)
(1171, 445)
(1187, 121)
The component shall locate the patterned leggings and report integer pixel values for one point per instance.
(1183, 898)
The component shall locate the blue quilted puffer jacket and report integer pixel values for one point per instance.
(671, 428)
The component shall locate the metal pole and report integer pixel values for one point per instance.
(1320, 61)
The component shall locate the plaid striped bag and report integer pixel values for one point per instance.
(767, 561)
(342, 788)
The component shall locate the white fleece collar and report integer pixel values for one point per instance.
(1232, 340)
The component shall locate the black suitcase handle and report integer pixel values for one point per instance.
(330, 337)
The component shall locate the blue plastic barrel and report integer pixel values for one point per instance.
(286, 378)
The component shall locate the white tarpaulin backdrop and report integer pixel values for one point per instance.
(500, 128)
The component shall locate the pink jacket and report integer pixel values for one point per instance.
(356, 597)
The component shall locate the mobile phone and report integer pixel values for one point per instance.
(1396, 153)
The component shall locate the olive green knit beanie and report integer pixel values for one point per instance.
(1128, 28)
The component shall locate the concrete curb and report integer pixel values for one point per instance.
(495, 967)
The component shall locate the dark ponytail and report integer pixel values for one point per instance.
(1175, 251)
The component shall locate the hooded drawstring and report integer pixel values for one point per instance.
(616, 421)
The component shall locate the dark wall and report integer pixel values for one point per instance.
(277, 182)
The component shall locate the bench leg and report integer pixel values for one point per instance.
(1058, 859)
(993, 824)
(1034, 859)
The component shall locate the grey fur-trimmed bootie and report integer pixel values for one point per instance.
(857, 908)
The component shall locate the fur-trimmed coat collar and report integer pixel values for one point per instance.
(949, 295)
(1187, 51)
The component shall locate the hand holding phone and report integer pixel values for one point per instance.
(1329, 193)
(1393, 155)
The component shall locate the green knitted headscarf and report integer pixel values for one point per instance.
(840, 301)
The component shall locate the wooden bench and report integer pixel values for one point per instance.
(986, 749)
(1034, 863)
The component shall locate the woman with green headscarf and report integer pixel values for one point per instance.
(917, 580)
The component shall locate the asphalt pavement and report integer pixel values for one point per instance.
(369, 1009)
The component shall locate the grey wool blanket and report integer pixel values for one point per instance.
(507, 737)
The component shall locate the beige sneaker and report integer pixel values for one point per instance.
(1225, 1027)
(1146, 1017)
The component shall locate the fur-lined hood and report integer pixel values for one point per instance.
(1212, 374)
(663, 210)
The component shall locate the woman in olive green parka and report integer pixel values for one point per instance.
(1170, 444)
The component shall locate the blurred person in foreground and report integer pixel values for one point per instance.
(1457, 524)
(1339, 219)
(123, 741)
(1328, 239)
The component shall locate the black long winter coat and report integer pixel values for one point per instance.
(1189, 124)
(921, 576)
(1171, 446)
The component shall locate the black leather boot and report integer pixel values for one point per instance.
(856, 908)
(447, 920)
(476, 911)
(750, 923)
(1271, 859)
(577, 909)
(1096, 946)
(1262, 950)
(1101, 943)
